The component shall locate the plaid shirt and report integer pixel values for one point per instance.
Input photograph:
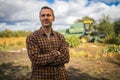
(47, 64)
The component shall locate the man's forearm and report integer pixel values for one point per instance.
(61, 59)
(43, 59)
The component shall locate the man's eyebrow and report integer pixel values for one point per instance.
(45, 14)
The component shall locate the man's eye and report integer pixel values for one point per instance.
(48, 15)
(43, 15)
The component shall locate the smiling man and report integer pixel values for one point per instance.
(47, 50)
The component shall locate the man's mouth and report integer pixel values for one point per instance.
(46, 21)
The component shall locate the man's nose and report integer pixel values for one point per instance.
(46, 17)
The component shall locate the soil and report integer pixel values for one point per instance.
(16, 65)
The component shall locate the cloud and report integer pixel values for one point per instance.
(24, 14)
(20, 26)
(108, 1)
(25, 10)
(98, 9)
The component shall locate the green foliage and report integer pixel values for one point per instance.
(73, 40)
(110, 30)
(105, 26)
(117, 27)
(112, 49)
(9, 33)
(112, 39)
(4, 46)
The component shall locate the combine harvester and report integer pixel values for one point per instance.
(84, 30)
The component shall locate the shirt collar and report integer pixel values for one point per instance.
(42, 32)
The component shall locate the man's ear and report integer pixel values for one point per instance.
(54, 18)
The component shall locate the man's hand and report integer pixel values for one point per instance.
(58, 53)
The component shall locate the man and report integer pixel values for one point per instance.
(47, 50)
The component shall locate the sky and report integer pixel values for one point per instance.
(24, 14)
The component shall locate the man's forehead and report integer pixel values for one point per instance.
(46, 11)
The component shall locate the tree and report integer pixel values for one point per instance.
(109, 30)
(117, 27)
(9, 33)
(106, 26)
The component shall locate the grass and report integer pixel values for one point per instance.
(111, 57)
(74, 53)
(12, 43)
(7, 44)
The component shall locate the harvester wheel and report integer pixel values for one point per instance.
(84, 39)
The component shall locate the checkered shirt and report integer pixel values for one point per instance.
(47, 64)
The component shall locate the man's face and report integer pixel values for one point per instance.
(46, 17)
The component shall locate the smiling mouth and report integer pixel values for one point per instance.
(46, 22)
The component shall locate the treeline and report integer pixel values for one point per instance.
(9, 33)
(111, 30)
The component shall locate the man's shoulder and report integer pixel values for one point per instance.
(59, 34)
(33, 34)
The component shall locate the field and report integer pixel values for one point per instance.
(87, 62)
(11, 43)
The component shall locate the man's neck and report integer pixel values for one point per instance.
(47, 30)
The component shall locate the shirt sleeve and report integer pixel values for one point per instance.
(64, 56)
(35, 54)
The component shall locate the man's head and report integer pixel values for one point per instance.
(46, 16)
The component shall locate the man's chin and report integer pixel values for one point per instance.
(47, 26)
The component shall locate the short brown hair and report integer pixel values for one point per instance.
(46, 7)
